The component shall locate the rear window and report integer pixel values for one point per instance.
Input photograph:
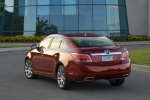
(92, 41)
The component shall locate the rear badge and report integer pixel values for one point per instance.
(107, 57)
(107, 52)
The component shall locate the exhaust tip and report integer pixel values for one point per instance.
(125, 75)
(89, 79)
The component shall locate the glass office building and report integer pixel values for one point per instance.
(30, 17)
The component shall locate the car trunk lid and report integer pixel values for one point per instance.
(104, 56)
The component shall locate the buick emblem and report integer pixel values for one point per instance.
(107, 52)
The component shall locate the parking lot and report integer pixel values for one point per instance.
(15, 86)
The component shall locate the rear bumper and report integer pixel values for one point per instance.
(78, 72)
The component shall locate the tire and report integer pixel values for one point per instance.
(28, 70)
(116, 82)
(62, 79)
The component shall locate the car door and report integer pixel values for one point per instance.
(52, 56)
(39, 53)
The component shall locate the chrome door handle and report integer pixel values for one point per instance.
(42, 55)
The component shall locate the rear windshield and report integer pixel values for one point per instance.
(92, 41)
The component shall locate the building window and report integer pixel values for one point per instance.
(113, 22)
(70, 2)
(123, 18)
(99, 1)
(57, 19)
(115, 2)
(43, 2)
(9, 3)
(71, 18)
(85, 17)
(63, 16)
(85, 1)
(99, 17)
(56, 2)
(43, 13)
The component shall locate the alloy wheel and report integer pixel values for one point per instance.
(28, 70)
(62, 79)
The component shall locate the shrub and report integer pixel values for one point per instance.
(133, 38)
(21, 38)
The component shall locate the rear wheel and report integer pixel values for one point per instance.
(116, 82)
(62, 79)
(28, 70)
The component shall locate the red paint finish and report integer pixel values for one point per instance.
(80, 62)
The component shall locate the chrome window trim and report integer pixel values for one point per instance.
(102, 54)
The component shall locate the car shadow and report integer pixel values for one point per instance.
(95, 86)
(98, 85)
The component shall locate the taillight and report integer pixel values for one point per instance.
(81, 57)
(125, 55)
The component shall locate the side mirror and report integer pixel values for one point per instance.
(33, 46)
(41, 49)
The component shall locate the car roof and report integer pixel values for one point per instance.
(78, 35)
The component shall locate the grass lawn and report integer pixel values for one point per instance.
(141, 57)
(11, 46)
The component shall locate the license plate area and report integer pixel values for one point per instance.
(107, 58)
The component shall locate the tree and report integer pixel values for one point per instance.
(41, 25)
(52, 29)
(2, 4)
(43, 28)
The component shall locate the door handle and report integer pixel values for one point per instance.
(42, 55)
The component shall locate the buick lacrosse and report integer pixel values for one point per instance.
(70, 58)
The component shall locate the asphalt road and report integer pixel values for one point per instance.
(15, 86)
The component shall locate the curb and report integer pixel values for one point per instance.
(142, 68)
(134, 43)
(3, 50)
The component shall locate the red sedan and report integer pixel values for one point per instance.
(78, 57)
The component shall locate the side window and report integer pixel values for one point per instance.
(62, 44)
(45, 43)
(55, 43)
